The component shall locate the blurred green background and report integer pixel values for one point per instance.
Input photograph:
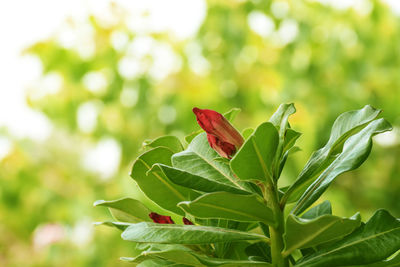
(111, 80)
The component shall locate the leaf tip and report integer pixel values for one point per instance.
(98, 202)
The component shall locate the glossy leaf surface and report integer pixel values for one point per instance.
(199, 159)
(145, 232)
(345, 126)
(355, 151)
(375, 241)
(173, 254)
(255, 158)
(319, 210)
(169, 141)
(196, 182)
(229, 206)
(157, 187)
(126, 209)
(281, 116)
(304, 233)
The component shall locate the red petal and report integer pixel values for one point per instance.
(206, 118)
(214, 123)
(186, 221)
(157, 218)
(224, 149)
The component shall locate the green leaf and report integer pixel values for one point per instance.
(247, 132)
(186, 179)
(290, 139)
(259, 249)
(169, 141)
(183, 234)
(392, 262)
(154, 185)
(319, 210)
(236, 250)
(286, 139)
(155, 263)
(126, 209)
(224, 205)
(254, 159)
(181, 258)
(234, 263)
(198, 159)
(231, 114)
(355, 151)
(304, 233)
(189, 138)
(184, 256)
(119, 225)
(285, 155)
(281, 115)
(375, 241)
(346, 125)
(173, 254)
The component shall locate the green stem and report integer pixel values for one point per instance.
(276, 232)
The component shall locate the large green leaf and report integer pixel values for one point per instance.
(375, 241)
(355, 151)
(224, 205)
(345, 126)
(155, 263)
(186, 179)
(146, 232)
(233, 263)
(190, 258)
(156, 186)
(304, 233)
(199, 159)
(319, 210)
(392, 262)
(126, 209)
(174, 253)
(169, 141)
(255, 158)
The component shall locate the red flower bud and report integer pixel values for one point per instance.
(224, 149)
(221, 135)
(157, 218)
(186, 221)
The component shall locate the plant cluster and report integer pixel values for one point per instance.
(224, 188)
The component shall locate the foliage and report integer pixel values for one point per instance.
(230, 202)
(338, 59)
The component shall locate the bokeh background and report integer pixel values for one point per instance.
(84, 83)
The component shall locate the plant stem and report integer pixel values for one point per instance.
(276, 232)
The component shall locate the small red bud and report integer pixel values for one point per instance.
(186, 221)
(221, 135)
(157, 218)
(224, 149)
